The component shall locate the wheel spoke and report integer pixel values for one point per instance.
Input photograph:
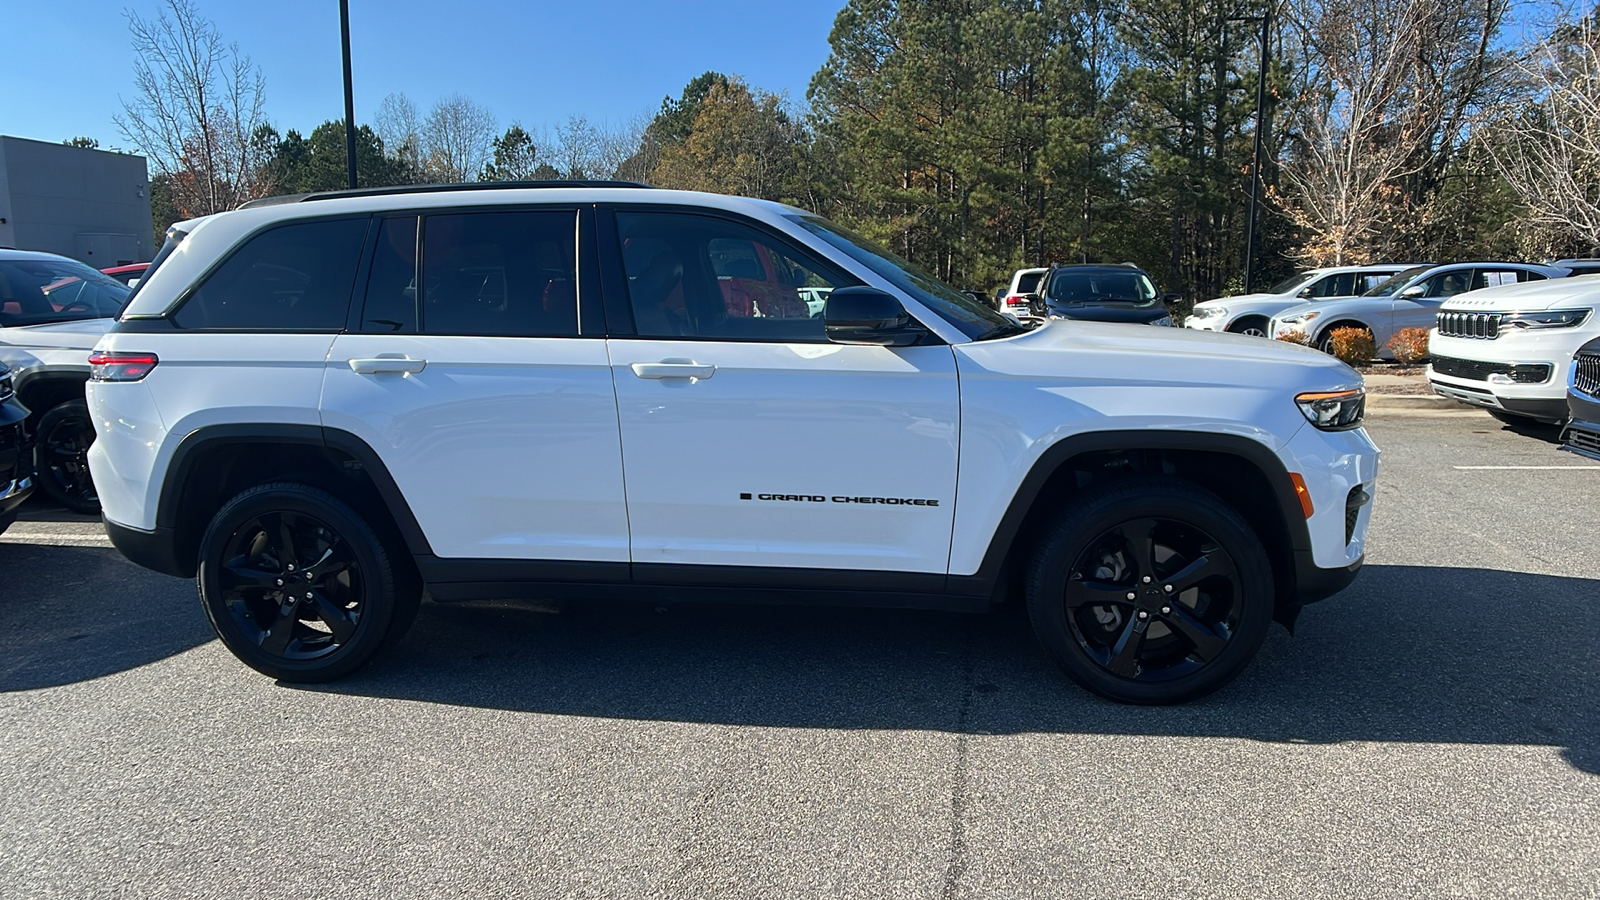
(1210, 564)
(281, 541)
(1084, 592)
(1141, 546)
(277, 637)
(1125, 654)
(237, 575)
(336, 617)
(329, 565)
(1207, 643)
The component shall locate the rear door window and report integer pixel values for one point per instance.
(509, 274)
(295, 277)
(1491, 277)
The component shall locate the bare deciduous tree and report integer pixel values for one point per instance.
(399, 126)
(197, 111)
(457, 139)
(1389, 90)
(1549, 150)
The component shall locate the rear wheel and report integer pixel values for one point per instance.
(1151, 591)
(299, 586)
(61, 456)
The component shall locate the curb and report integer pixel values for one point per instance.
(1414, 401)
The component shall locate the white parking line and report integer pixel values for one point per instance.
(1558, 468)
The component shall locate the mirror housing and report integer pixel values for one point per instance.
(1170, 297)
(866, 315)
(1416, 290)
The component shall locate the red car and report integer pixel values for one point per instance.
(129, 274)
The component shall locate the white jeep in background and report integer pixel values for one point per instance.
(322, 406)
(1509, 349)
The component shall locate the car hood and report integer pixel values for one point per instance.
(78, 334)
(1164, 355)
(1237, 299)
(1333, 305)
(1530, 296)
(1110, 313)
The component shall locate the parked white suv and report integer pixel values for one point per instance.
(1509, 349)
(320, 408)
(1252, 313)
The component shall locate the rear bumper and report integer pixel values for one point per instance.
(155, 550)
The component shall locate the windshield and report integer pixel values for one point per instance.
(41, 290)
(1096, 287)
(1394, 283)
(1295, 283)
(974, 319)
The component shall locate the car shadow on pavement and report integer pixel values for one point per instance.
(69, 614)
(1407, 654)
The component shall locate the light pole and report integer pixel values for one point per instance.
(350, 102)
(1255, 158)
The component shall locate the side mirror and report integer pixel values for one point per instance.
(1303, 293)
(865, 315)
(1170, 298)
(1416, 290)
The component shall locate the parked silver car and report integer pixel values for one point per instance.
(1251, 313)
(1408, 300)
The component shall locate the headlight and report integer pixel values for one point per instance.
(1208, 312)
(1164, 320)
(1556, 318)
(1299, 320)
(1333, 410)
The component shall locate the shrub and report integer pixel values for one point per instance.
(1295, 337)
(1409, 345)
(1352, 346)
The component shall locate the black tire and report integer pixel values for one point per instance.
(60, 456)
(1182, 648)
(1255, 326)
(351, 606)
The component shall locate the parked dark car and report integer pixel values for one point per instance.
(15, 481)
(1582, 432)
(1100, 293)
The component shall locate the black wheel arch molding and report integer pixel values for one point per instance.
(1300, 580)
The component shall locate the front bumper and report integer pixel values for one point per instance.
(1313, 582)
(1481, 367)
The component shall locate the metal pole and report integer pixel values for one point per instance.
(1255, 161)
(350, 98)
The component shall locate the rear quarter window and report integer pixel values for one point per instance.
(295, 277)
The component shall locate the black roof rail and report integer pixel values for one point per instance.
(436, 189)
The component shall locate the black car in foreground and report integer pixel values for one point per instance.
(1582, 432)
(1099, 293)
(15, 482)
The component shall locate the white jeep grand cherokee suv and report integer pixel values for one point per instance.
(325, 406)
(1509, 349)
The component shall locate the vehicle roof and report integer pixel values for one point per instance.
(304, 206)
(32, 254)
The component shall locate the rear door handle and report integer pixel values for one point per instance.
(384, 363)
(674, 368)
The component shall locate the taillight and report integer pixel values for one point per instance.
(120, 366)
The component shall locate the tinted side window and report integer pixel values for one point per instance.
(1492, 277)
(293, 278)
(1449, 284)
(701, 276)
(391, 304)
(500, 273)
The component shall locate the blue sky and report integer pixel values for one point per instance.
(63, 63)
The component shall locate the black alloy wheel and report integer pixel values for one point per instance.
(298, 586)
(61, 456)
(1151, 591)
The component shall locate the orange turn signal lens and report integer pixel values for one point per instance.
(1301, 492)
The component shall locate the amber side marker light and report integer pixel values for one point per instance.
(1301, 492)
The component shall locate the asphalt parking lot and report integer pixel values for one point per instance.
(1432, 732)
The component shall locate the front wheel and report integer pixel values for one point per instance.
(298, 586)
(1254, 326)
(61, 456)
(1151, 591)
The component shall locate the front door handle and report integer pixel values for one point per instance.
(674, 368)
(386, 363)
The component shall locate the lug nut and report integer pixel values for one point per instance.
(280, 582)
(1145, 579)
(291, 567)
(1166, 610)
(308, 595)
(1143, 614)
(1167, 588)
(1132, 595)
